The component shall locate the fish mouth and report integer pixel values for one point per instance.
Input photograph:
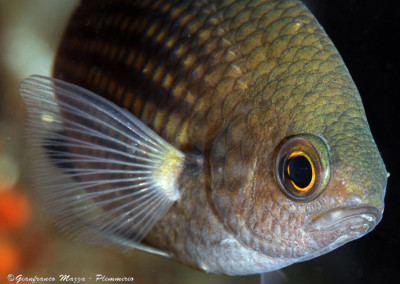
(356, 219)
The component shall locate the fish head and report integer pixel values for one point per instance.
(330, 137)
(299, 174)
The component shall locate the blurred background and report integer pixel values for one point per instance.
(367, 35)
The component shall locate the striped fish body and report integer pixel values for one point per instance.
(235, 85)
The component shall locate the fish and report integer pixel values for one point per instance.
(227, 135)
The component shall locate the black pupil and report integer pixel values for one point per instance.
(299, 171)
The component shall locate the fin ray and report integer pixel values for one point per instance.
(101, 173)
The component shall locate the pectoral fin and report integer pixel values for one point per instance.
(101, 173)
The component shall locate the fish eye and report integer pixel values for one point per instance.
(303, 167)
(300, 171)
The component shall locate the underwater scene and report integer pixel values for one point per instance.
(193, 89)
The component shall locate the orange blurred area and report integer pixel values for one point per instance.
(14, 210)
(22, 246)
(9, 257)
(14, 216)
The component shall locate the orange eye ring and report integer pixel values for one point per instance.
(312, 181)
(303, 167)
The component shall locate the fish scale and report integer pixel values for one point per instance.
(231, 90)
(211, 63)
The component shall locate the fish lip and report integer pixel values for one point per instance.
(362, 219)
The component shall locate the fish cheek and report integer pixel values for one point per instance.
(233, 162)
(244, 192)
(279, 221)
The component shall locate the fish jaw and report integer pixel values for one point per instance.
(355, 220)
(338, 226)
